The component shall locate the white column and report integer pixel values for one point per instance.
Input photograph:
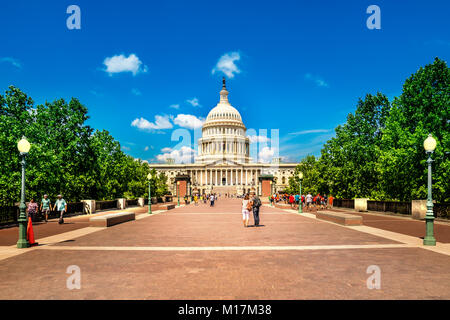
(231, 176)
(241, 178)
(246, 177)
(216, 178)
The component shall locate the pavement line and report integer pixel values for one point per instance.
(10, 251)
(229, 248)
(443, 248)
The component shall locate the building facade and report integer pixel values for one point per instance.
(223, 164)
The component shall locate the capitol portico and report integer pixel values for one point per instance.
(223, 164)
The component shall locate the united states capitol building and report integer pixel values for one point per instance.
(223, 164)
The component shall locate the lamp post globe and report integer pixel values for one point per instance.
(178, 192)
(300, 206)
(24, 147)
(149, 177)
(429, 145)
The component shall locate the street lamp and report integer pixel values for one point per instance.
(271, 202)
(178, 192)
(24, 147)
(429, 145)
(300, 178)
(149, 177)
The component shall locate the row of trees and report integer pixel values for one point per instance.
(67, 156)
(378, 153)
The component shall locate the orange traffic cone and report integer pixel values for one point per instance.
(30, 233)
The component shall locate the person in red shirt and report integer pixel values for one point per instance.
(291, 200)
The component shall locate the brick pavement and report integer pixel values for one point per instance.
(208, 254)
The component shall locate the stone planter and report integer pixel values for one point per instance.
(419, 209)
(89, 206)
(361, 204)
(121, 203)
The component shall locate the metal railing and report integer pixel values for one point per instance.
(344, 203)
(131, 202)
(402, 207)
(106, 204)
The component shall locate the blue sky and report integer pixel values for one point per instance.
(298, 67)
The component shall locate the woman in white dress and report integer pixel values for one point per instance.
(246, 205)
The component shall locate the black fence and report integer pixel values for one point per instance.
(442, 210)
(344, 203)
(8, 214)
(132, 202)
(106, 204)
(402, 207)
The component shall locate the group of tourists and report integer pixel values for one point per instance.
(205, 198)
(60, 205)
(309, 201)
(250, 203)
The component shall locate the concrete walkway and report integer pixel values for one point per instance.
(202, 252)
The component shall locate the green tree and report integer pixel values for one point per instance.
(349, 160)
(422, 108)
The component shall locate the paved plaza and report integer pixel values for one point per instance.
(203, 252)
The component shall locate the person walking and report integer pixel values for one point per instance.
(32, 209)
(61, 206)
(291, 201)
(211, 200)
(256, 204)
(45, 207)
(196, 200)
(246, 207)
(309, 200)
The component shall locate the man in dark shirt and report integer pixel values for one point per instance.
(256, 205)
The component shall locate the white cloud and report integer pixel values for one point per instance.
(309, 131)
(120, 63)
(317, 80)
(95, 93)
(146, 148)
(266, 154)
(183, 155)
(125, 148)
(188, 121)
(16, 63)
(161, 122)
(174, 106)
(259, 139)
(194, 102)
(136, 92)
(227, 65)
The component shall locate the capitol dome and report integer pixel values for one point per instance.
(223, 111)
(223, 133)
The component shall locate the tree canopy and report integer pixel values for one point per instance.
(378, 153)
(66, 156)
